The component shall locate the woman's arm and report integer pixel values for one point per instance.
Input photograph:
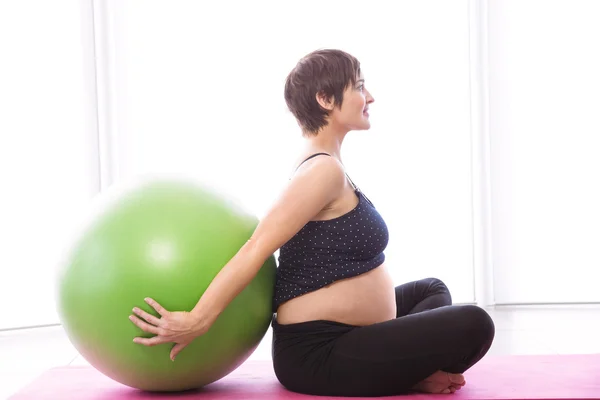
(315, 186)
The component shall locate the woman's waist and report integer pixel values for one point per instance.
(361, 300)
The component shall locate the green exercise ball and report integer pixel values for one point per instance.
(165, 239)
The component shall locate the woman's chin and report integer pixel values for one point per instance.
(365, 125)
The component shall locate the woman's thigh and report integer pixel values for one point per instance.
(391, 357)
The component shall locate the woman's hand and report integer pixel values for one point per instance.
(180, 327)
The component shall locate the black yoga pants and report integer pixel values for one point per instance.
(387, 358)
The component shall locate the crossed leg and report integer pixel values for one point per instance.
(426, 348)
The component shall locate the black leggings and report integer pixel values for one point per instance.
(387, 358)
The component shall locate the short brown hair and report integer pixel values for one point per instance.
(327, 71)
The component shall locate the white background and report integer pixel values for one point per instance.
(92, 93)
(207, 99)
(48, 148)
(545, 136)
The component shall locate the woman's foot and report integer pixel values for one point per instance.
(441, 382)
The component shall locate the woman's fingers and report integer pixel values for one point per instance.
(153, 341)
(176, 350)
(150, 324)
(143, 325)
(159, 309)
(148, 317)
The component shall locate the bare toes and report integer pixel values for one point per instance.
(456, 378)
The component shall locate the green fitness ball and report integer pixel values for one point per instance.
(165, 239)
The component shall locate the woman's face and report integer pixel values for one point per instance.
(353, 114)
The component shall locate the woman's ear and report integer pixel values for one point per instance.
(325, 101)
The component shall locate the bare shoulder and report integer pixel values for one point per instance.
(316, 183)
(320, 169)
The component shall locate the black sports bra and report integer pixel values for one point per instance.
(325, 251)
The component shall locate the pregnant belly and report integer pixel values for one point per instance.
(362, 300)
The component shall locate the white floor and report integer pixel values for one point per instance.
(25, 354)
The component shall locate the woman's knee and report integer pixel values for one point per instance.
(478, 323)
(437, 286)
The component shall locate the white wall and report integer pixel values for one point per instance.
(545, 134)
(48, 156)
(198, 89)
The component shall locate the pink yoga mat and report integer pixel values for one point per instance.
(493, 378)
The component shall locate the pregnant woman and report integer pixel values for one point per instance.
(340, 326)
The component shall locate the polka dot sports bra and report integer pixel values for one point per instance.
(326, 251)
